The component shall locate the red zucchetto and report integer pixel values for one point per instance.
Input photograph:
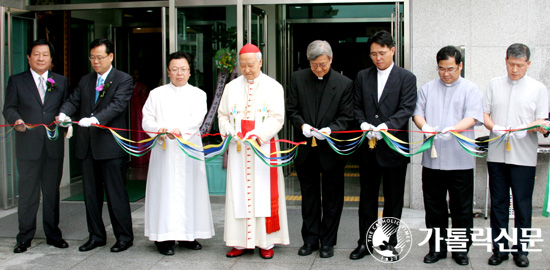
(249, 48)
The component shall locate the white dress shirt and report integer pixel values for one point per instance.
(382, 76)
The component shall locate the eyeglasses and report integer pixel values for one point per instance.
(322, 65)
(99, 58)
(182, 69)
(380, 53)
(447, 70)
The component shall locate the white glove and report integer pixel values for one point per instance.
(86, 122)
(65, 122)
(230, 131)
(377, 129)
(498, 130)
(366, 126)
(320, 136)
(61, 117)
(306, 130)
(445, 134)
(326, 130)
(520, 134)
(370, 135)
(253, 134)
(428, 129)
(317, 135)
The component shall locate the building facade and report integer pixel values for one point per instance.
(145, 32)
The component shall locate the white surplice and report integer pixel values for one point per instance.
(248, 181)
(177, 203)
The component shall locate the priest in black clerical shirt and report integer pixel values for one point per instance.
(320, 101)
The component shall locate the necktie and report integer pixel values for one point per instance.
(41, 89)
(99, 82)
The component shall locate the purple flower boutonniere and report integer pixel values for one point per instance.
(102, 88)
(50, 83)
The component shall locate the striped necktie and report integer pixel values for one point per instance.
(41, 89)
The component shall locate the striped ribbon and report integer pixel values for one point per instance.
(285, 157)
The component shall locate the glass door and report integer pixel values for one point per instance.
(18, 32)
(256, 31)
(397, 33)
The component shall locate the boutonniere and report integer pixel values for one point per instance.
(50, 83)
(102, 88)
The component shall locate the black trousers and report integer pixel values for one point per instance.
(108, 174)
(321, 217)
(460, 185)
(43, 174)
(521, 179)
(393, 179)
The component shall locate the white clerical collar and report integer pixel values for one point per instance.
(514, 82)
(254, 81)
(178, 87)
(451, 84)
(385, 71)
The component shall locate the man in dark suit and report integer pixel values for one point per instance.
(34, 97)
(385, 98)
(320, 100)
(102, 97)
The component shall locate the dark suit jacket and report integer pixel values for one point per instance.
(395, 108)
(23, 102)
(335, 111)
(110, 110)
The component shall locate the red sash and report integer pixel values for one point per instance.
(271, 223)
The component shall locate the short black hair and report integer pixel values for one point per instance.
(180, 55)
(109, 46)
(40, 42)
(449, 51)
(518, 50)
(383, 38)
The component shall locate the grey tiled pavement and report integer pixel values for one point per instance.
(143, 255)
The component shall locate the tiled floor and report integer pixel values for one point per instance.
(143, 254)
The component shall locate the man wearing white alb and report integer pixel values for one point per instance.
(177, 204)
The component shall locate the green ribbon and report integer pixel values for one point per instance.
(425, 146)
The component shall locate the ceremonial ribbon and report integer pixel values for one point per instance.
(285, 157)
(342, 147)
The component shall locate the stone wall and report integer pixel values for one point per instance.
(486, 28)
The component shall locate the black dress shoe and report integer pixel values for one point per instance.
(194, 245)
(307, 249)
(359, 252)
(461, 259)
(165, 247)
(326, 252)
(91, 244)
(121, 246)
(497, 258)
(21, 247)
(433, 257)
(57, 243)
(521, 260)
